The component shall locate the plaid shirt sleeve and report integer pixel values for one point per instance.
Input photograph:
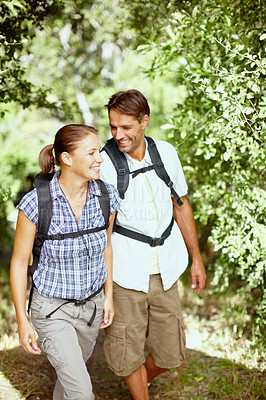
(115, 201)
(29, 205)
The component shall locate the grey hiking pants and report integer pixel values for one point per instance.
(68, 342)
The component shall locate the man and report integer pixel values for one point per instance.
(146, 299)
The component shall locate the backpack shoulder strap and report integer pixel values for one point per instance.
(104, 201)
(45, 211)
(120, 163)
(160, 168)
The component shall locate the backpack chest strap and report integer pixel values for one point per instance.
(72, 235)
(152, 241)
(141, 170)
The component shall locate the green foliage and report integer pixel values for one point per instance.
(18, 21)
(78, 53)
(215, 50)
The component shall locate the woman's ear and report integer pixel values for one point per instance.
(66, 158)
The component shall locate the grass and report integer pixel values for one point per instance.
(205, 378)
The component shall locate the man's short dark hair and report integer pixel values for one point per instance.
(129, 102)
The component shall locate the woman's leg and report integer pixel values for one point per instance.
(60, 340)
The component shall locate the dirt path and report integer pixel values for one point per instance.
(34, 377)
(202, 377)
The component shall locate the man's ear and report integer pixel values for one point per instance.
(145, 121)
(66, 158)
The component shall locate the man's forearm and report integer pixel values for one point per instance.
(184, 218)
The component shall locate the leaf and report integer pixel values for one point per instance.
(226, 156)
(255, 88)
(248, 110)
(240, 47)
(226, 114)
(220, 89)
(170, 32)
(194, 12)
(251, 206)
(263, 36)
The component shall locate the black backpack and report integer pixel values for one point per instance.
(45, 210)
(120, 163)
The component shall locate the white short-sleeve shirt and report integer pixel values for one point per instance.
(147, 208)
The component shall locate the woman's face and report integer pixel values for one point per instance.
(86, 158)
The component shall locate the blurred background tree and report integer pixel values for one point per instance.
(201, 65)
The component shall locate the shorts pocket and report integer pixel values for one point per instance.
(115, 346)
(52, 349)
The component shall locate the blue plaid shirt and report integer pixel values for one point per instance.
(72, 268)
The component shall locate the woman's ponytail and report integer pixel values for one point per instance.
(67, 139)
(46, 159)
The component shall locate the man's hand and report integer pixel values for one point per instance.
(198, 276)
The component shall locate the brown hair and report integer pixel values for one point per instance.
(66, 140)
(129, 102)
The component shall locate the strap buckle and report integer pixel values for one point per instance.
(80, 302)
(121, 171)
(157, 241)
(170, 184)
(56, 236)
(160, 164)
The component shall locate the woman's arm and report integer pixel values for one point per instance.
(24, 238)
(108, 285)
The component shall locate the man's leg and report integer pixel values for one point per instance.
(151, 369)
(125, 340)
(166, 339)
(137, 384)
(137, 381)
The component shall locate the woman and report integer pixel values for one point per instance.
(69, 269)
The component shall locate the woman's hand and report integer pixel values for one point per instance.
(27, 338)
(108, 312)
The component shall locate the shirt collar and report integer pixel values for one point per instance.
(56, 191)
(94, 188)
(145, 161)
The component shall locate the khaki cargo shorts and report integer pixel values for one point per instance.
(152, 318)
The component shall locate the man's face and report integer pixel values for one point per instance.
(127, 131)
